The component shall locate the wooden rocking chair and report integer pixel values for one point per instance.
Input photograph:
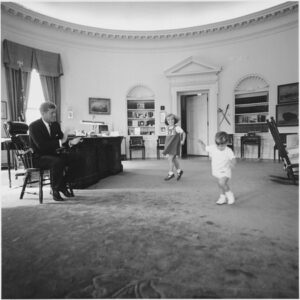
(292, 169)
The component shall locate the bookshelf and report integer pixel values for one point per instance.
(251, 112)
(141, 117)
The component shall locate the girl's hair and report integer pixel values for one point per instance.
(221, 138)
(176, 119)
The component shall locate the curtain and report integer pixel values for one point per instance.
(20, 60)
(17, 89)
(51, 90)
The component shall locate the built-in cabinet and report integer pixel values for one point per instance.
(251, 112)
(141, 117)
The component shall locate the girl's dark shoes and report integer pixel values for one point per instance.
(66, 193)
(179, 175)
(170, 176)
(56, 196)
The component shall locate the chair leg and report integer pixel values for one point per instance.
(24, 185)
(144, 153)
(71, 189)
(157, 153)
(130, 154)
(41, 186)
(291, 174)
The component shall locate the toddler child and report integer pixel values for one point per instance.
(174, 139)
(222, 161)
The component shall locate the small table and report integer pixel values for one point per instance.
(6, 144)
(250, 140)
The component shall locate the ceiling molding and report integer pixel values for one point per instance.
(15, 10)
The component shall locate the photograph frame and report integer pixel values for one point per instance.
(4, 110)
(99, 106)
(288, 93)
(290, 110)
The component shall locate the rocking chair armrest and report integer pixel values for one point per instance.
(28, 150)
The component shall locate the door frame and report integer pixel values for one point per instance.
(183, 98)
(212, 90)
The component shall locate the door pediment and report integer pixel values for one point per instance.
(191, 66)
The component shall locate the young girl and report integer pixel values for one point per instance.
(222, 161)
(174, 139)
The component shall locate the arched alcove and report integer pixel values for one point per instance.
(251, 83)
(251, 95)
(140, 92)
(140, 111)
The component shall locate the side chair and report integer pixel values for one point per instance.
(31, 174)
(136, 143)
(161, 139)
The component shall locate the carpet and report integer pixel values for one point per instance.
(126, 239)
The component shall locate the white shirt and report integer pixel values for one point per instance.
(220, 161)
(47, 126)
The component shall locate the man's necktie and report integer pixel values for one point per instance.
(50, 129)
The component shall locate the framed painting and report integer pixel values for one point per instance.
(288, 93)
(99, 106)
(4, 110)
(287, 114)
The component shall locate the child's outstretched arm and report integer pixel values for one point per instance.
(183, 136)
(202, 144)
(232, 163)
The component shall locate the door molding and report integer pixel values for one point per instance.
(193, 76)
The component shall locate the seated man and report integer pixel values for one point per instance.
(45, 137)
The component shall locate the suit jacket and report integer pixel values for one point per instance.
(40, 140)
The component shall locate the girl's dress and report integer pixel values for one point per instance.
(172, 143)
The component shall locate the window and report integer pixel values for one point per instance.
(35, 98)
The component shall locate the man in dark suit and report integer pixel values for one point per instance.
(45, 138)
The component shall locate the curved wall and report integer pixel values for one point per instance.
(110, 67)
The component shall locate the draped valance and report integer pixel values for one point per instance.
(46, 63)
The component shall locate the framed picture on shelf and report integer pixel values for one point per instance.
(99, 106)
(288, 93)
(287, 114)
(140, 105)
(162, 117)
(4, 110)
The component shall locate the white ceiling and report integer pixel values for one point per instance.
(146, 15)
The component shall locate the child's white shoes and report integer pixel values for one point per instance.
(221, 200)
(230, 197)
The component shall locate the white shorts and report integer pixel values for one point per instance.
(222, 173)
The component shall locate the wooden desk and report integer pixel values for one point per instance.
(250, 140)
(98, 157)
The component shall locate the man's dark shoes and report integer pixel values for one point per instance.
(56, 196)
(66, 193)
(169, 176)
(179, 175)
